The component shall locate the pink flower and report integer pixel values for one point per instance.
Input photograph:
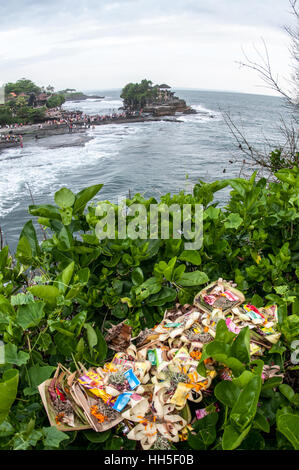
(201, 413)
(232, 326)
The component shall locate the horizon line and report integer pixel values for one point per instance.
(191, 89)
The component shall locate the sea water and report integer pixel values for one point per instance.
(152, 158)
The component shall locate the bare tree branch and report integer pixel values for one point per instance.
(285, 152)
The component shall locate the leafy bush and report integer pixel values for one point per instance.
(135, 95)
(55, 100)
(58, 296)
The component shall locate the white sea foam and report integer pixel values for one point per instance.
(41, 168)
(203, 114)
(94, 106)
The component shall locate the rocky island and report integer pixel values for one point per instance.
(156, 100)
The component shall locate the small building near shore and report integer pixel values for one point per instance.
(164, 93)
(42, 99)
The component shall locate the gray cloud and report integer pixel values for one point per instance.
(51, 40)
(58, 12)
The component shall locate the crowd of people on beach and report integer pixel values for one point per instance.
(11, 139)
(72, 119)
(116, 116)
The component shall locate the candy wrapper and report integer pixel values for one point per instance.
(219, 295)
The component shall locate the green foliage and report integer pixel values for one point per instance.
(58, 296)
(135, 95)
(22, 85)
(55, 100)
(6, 115)
(8, 391)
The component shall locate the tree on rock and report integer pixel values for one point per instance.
(136, 95)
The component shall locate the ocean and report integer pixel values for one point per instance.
(152, 158)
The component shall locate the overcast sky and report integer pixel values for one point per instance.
(104, 44)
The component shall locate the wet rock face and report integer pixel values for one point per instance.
(170, 108)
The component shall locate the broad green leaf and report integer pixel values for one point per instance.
(276, 349)
(8, 392)
(37, 374)
(13, 356)
(243, 379)
(196, 443)
(30, 233)
(65, 239)
(286, 176)
(114, 443)
(137, 276)
(271, 383)
(235, 365)
(83, 275)
(91, 335)
(257, 301)
(97, 437)
(101, 346)
(253, 441)
(21, 299)
(290, 328)
(64, 278)
(260, 422)
(287, 391)
(5, 306)
(232, 438)
(206, 432)
(223, 334)
(63, 326)
(166, 294)
(217, 347)
(233, 221)
(73, 292)
(64, 198)
(77, 322)
(6, 429)
(227, 392)
(66, 345)
(240, 185)
(44, 342)
(3, 257)
(84, 196)
(24, 251)
(212, 213)
(288, 425)
(149, 287)
(48, 293)
(22, 441)
(196, 278)
(53, 437)
(241, 346)
(99, 351)
(191, 256)
(66, 215)
(30, 315)
(245, 406)
(178, 272)
(46, 211)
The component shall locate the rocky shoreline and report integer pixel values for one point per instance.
(33, 132)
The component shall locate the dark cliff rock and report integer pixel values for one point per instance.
(169, 108)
